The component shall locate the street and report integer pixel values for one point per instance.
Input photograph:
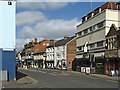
(63, 79)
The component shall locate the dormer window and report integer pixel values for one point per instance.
(84, 19)
(100, 10)
(96, 11)
(89, 15)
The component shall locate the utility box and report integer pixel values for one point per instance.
(3, 75)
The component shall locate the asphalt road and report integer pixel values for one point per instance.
(60, 79)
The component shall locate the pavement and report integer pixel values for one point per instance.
(22, 80)
(114, 78)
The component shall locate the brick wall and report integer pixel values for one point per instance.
(71, 53)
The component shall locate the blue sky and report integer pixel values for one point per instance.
(49, 20)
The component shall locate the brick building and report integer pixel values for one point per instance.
(112, 50)
(29, 51)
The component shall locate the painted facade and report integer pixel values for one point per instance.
(91, 34)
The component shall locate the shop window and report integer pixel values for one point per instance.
(99, 65)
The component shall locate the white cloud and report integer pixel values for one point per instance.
(41, 5)
(29, 17)
(42, 28)
(22, 41)
(50, 29)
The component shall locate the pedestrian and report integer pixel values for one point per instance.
(66, 67)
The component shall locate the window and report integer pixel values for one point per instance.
(80, 48)
(112, 43)
(99, 25)
(89, 15)
(118, 6)
(44, 44)
(85, 31)
(91, 29)
(92, 45)
(96, 11)
(99, 44)
(79, 34)
(83, 19)
(94, 27)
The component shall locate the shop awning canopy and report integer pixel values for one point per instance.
(17, 60)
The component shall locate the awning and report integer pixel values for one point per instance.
(17, 60)
(82, 59)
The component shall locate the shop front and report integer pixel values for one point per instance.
(112, 62)
(100, 65)
(49, 64)
(80, 63)
(38, 63)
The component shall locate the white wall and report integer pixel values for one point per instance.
(7, 24)
(60, 52)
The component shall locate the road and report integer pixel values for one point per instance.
(62, 79)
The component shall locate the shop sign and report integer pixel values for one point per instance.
(87, 69)
(93, 70)
(112, 53)
(82, 69)
(8, 49)
(99, 55)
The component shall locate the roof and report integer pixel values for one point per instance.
(113, 31)
(64, 41)
(50, 46)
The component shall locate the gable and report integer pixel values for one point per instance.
(112, 31)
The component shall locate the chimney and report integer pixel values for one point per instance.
(65, 37)
(35, 40)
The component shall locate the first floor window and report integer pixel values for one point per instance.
(99, 44)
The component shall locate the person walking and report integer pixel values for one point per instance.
(66, 67)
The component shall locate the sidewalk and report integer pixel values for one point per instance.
(22, 81)
(116, 78)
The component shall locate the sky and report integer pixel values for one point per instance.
(49, 20)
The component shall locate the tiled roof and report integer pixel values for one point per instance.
(63, 41)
